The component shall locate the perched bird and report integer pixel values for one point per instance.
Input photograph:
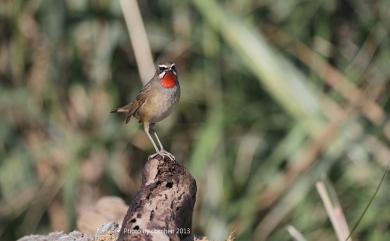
(155, 102)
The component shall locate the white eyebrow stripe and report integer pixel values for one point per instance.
(162, 65)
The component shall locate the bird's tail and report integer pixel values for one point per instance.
(128, 109)
(122, 109)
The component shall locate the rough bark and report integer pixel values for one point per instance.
(162, 208)
(56, 236)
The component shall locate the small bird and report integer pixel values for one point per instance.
(155, 102)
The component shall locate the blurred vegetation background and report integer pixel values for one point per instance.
(276, 95)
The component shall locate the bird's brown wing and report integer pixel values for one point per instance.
(133, 106)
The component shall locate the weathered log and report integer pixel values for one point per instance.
(162, 208)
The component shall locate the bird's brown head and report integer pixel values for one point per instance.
(167, 74)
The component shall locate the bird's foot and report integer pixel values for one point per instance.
(153, 155)
(164, 154)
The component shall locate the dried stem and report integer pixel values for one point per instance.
(139, 39)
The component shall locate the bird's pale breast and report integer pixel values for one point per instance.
(159, 104)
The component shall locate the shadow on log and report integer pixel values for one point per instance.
(162, 208)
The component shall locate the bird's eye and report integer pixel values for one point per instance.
(173, 67)
(162, 68)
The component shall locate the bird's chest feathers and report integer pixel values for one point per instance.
(168, 80)
(160, 104)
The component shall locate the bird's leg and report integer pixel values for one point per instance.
(162, 151)
(147, 131)
(153, 130)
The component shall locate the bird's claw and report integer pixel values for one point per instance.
(164, 154)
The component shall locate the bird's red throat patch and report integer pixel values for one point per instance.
(168, 80)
